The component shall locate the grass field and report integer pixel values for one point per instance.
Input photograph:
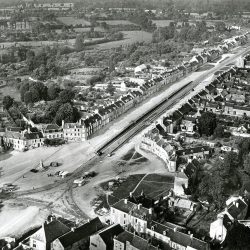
(162, 23)
(153, 186)
(117, 22)
(11, 91)
(68, 20)
(130, 37)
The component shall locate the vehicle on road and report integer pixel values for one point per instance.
(80, 182)
(9, 187)
(54, 164)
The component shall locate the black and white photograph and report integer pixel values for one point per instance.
(125, 124)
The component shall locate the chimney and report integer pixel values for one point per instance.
(175, 229)
(73, 229)
(62, 123)
(28, 129)
(131, 194)
(125, 201)
(191, 236)
(237, 204)
(139, 206)
(150, 211)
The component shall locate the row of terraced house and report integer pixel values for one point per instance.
(106, 114)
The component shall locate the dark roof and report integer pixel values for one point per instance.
(33, 135)
(190, 169)
(50, 231)
(235, 208)
(109, 233)
(135, 241)
(219, 98)
(80, 233)
(189, 151)
(132, 208)
(178, 237)
(51, 127)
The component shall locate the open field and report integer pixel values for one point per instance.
(162, 23)
(117, 22)
(68, 20)
(130, 37)
(11, 91)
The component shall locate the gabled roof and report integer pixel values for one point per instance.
(135, 241)
(109, 233)
(132, 208)
(50, 231)
(80, 233)
(51, 127)
(178, 237)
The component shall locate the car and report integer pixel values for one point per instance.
(99, 153)
(110, 154)
(54, 164)
(33, 170)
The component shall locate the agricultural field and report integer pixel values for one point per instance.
(130, 37)
(117, 22)
(68, 20)
(162, 23)
(11, 91)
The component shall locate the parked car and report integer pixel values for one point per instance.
(54, 164)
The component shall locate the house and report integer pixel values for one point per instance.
(77, 238)
(52, 131)
(23, 140)
(127, 213)
(195, 152)
(180, 183)
(155, 144)
(236, 209)
(50, 231)
(128, 101)
(174, 237)
(140, 69)
(74, 131)
(104, 239)
(127, 241)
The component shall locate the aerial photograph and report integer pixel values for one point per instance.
(125, 124)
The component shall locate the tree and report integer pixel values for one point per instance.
(238, 237)
(53, 92)
(110, 89)
(79, 43)
(207, 123)
(24, 88)
(7, 102)
(34, 94)
(246, 163)
(220, 26)
(28, 97)
(219, 131)
(66, 95)
(68, 113)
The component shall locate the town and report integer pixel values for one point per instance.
(124, 125)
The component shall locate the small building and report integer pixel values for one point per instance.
(23, 140)
(104, 239)
(50, 231)
(79, 237)
(52, 131)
